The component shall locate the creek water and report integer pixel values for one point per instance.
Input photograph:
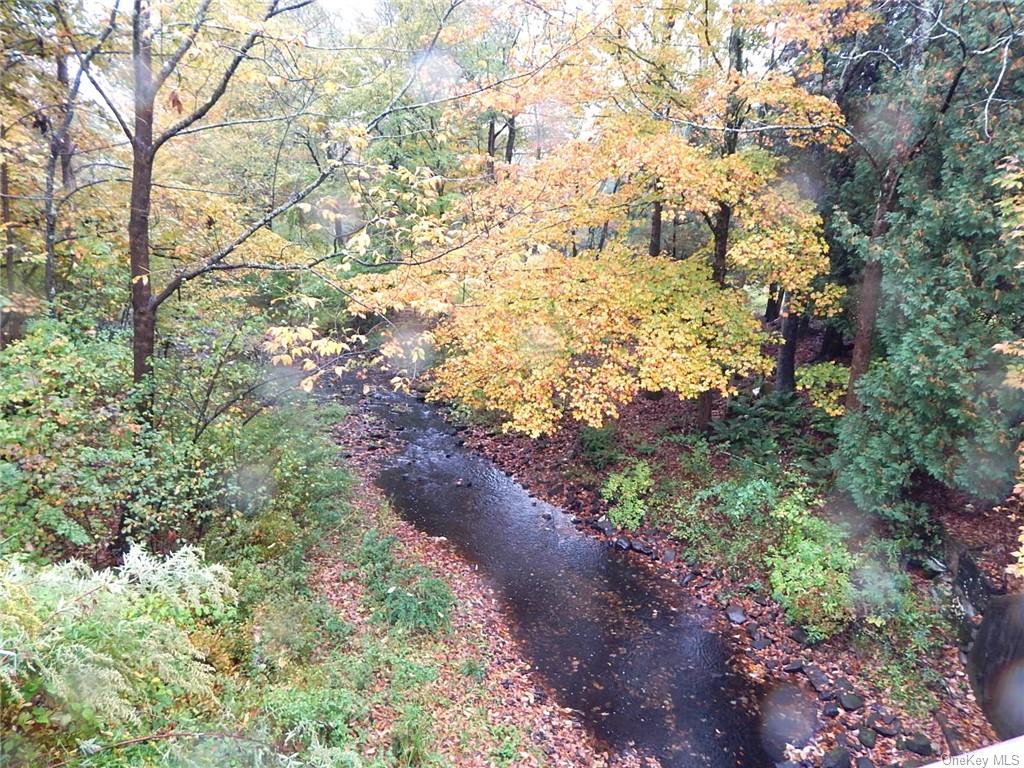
(625, 648)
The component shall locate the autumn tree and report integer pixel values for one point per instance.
(677, 128)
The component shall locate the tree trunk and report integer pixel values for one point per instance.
(870, 293)
(491, 143)
(655, 246)
(721, 231)
(721, 234)
(704, 402)
(867, 314)
(774, 305)
(831, 344)
(143, 311)
(510, 143)
(6, 219)
(785, 371)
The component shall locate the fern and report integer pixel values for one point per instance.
(83, 651)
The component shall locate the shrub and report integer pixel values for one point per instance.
(314, 711)
(810, 571)
(695, 461)
(740, 499)
(99, 652)
(627, 491)
(75, 458)
(599, 447)
(825, 385)
(377, 561)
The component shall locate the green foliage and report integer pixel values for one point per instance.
(316, 711)
(627, 491)
(599, 446)
(763, 430)
(695, 461)
(407, 597)
(935, 404)
(74, 455)
(410, 737)
(100, 652)
(509, 744)
(904, 635)
(825, 385)
(82, 471)
(474, 668)
(727, 522)
(419, 602)
(811, 570)
(377, 561)
(742, 499)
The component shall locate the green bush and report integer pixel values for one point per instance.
(627, 491)
(314, 711)
(695, 461)
(418, 602)
(599, 447)
(78, 465)
(811, 570)
(740, 499)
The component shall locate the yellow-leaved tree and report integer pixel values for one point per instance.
(557, 291)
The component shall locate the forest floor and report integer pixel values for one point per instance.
(876, 724)
(484, 705)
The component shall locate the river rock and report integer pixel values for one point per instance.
(622, 543)
(850, 701)
(830, 710)
(668, 555)
(837, 758)
(736, 613)
(761, 643)
(863, 762)
(800, 635)
(642, 547)
(971, 585)
(883, 724)
(793, 666)
(996, 665)
(867, 737)
(917, 743)
(818, 680)
(604, 525)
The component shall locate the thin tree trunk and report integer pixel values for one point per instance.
(143, 311)
(870, 293)
(867, 315)
(774, 305)
(7, 220)
(785, 369)
(510, 143)
(704, 402)
(675, 236)
(723, 217)
(721, 234)
(491, 142)
(655, 246)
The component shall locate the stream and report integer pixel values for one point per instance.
(624, 647)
